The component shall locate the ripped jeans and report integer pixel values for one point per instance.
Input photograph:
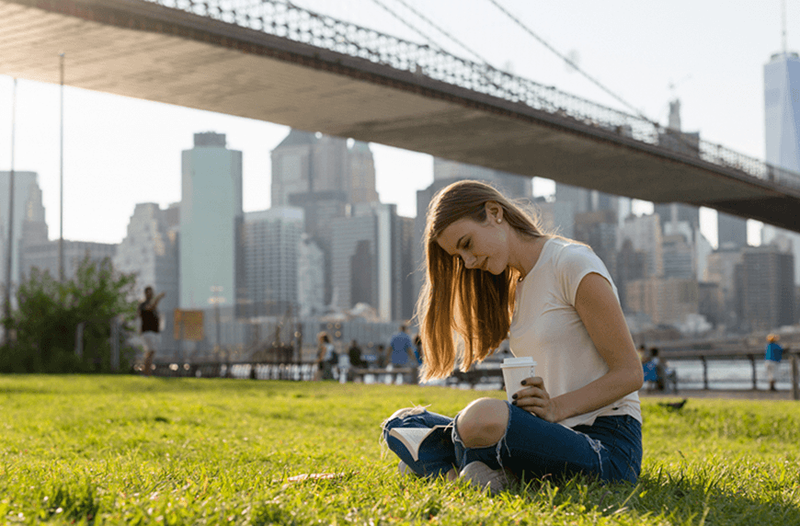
(610, 449)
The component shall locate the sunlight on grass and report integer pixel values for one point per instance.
(80, 449)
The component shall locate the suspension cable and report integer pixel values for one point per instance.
(444, 32)
(569, 62)
(408, 25)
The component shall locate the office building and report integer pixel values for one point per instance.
(644, 233)
(310, 278)
(291, 166)
(150, 250)
(599, 231)
(666, 301)
(322, 175)
(372, 260)
(556, 217)
(782, 135)
(362, 174)
(677, 212)
(782, 110)
(270, 245)
(731, 231)
(44, 256)
(306, 163)
(210, 223)
(765, 288)
(584, 200)
(678, 257)
(28, 219)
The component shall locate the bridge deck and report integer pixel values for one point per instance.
(141, 50)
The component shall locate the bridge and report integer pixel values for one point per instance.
(272, 61)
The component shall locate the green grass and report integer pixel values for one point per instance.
(114, 450)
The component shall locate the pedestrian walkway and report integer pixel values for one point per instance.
(738, 394)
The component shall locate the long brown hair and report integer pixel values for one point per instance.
(452, 321)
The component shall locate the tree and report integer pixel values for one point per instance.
(49, 313)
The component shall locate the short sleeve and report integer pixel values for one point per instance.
(574, 263)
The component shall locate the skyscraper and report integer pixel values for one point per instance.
(765, 288)
(322, 175)
(271, 240)
(782, 127)
(30, 227)
(291, 166)
(371, 260)
(782, 110)
(150, 249)
(731, 231)
(210, 223)
(304, 162)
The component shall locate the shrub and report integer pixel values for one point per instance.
(44, 325)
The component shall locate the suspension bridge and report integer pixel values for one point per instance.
(273, 61)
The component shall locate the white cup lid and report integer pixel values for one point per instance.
(517, 362)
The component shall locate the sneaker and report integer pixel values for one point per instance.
(482, 476)
(403, 469)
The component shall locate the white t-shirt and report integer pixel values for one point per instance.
(547, 327)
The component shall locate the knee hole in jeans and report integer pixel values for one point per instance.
(482, 423)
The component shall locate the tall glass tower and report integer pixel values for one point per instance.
(782, 110)
(782, 134)
(210, 219)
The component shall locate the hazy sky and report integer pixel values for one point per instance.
(710, 54)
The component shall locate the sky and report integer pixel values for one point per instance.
(710, 54)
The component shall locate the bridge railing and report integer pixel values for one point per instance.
(283, 19)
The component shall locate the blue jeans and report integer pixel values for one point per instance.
(610, 449)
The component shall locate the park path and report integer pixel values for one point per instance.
(739, 394)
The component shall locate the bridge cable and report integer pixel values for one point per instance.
(408, 25)
(485, 64)
(444, 32)
(570, 62)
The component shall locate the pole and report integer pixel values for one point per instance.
(795, 389)
(10, 243)
(61, 179)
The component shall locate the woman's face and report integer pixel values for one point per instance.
(479, 245)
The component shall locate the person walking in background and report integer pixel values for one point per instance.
(149, 327)
(356, 359)
(326, 357)
(491, 274)
(343, 366)
(403, 350)
(772, 358)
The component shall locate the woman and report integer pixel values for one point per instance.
(492, 274)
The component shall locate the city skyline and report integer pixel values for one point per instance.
(128, 151)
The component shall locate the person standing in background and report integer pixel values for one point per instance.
(403, 350)
(356, 359)
(149, 327)
(326, 357)
(772, 358)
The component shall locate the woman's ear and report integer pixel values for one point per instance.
(494, 212)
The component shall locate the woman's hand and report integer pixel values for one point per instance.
(535, 399)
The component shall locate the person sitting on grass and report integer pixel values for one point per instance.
(492, 274)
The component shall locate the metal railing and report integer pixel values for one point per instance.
(285, 20)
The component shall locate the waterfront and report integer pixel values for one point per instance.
(729, 375)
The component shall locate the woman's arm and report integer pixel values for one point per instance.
(600, 311)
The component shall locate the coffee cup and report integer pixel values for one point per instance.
(515, 370)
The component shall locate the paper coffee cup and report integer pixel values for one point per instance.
(514, 371)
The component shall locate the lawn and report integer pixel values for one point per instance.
(130, 450)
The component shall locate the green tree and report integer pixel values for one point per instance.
(49, 312)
